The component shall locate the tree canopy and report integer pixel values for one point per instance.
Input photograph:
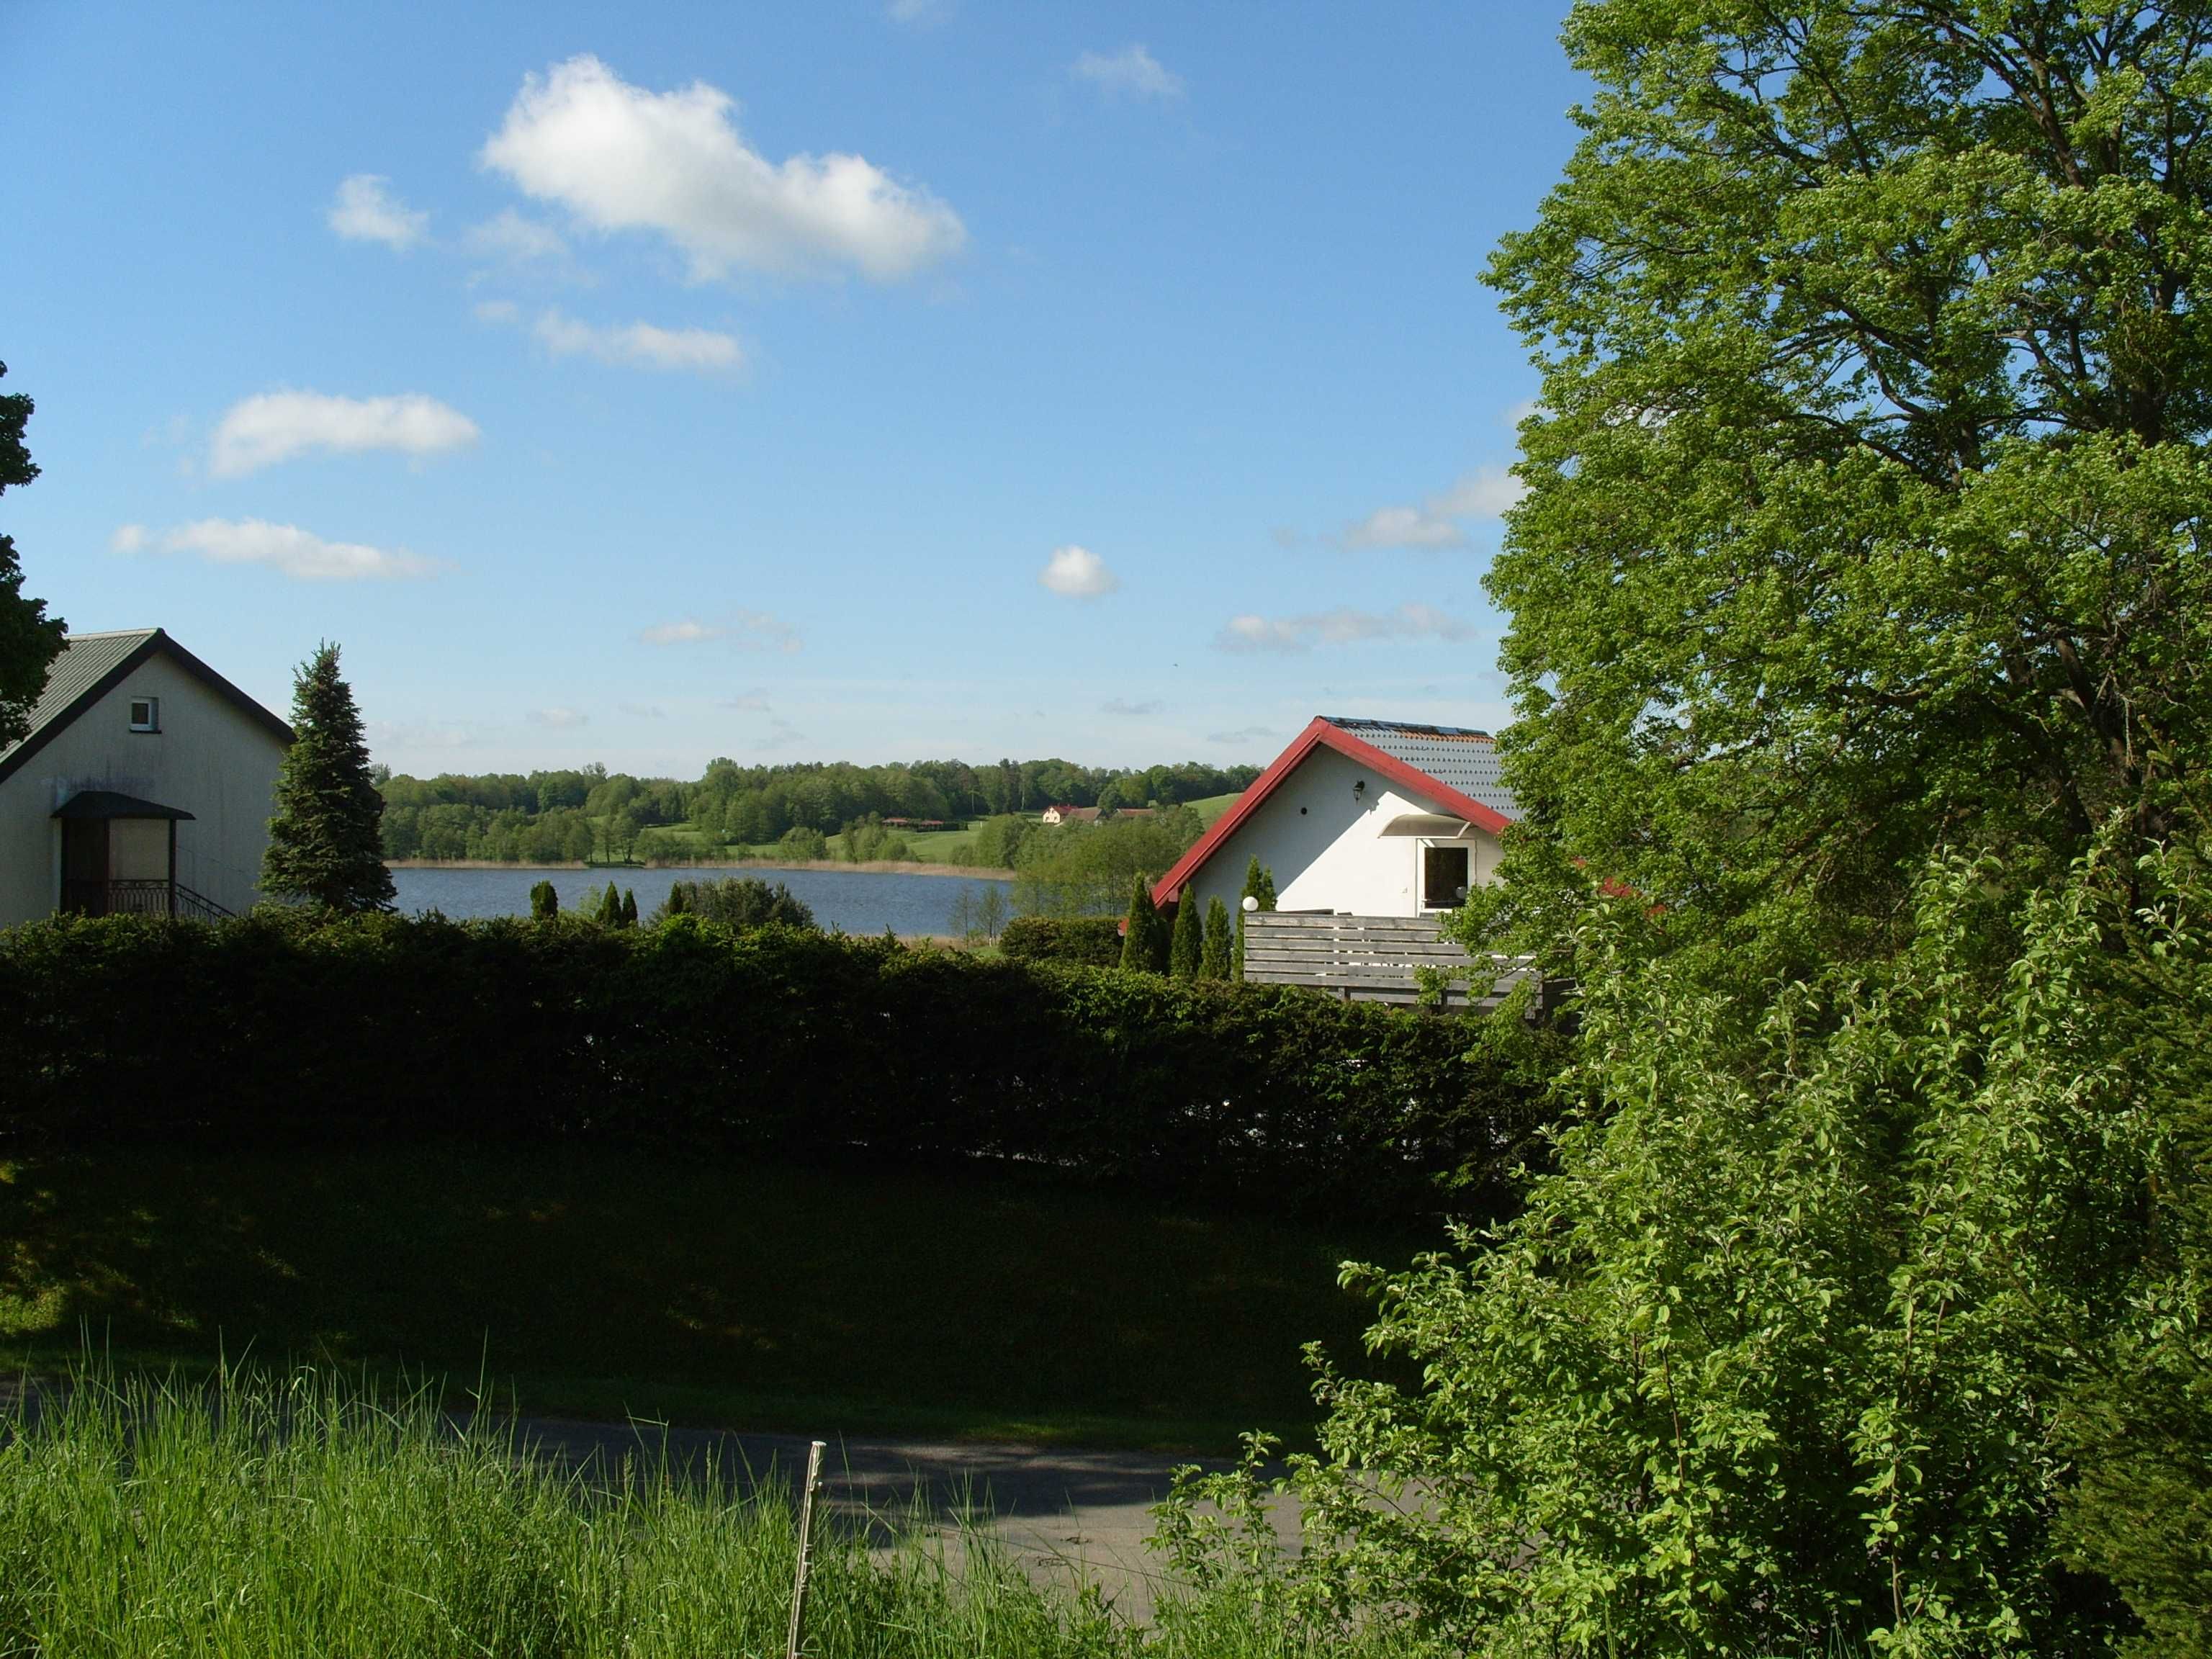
(29, 639)
(1866, 498)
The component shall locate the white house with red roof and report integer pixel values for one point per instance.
(1360, 818)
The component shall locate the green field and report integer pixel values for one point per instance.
(1210, 807)
(597, 1283)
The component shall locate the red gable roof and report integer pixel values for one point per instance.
(1320, 732)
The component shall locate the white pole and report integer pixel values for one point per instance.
(805, 1540)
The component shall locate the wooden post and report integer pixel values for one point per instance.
(805, 1540)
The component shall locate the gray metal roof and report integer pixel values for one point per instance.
(1457, 756)
(86, 659)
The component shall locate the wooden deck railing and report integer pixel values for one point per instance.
(1370, 957)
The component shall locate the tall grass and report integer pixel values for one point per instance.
(300, 1516)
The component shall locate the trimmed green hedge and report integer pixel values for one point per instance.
(276, 1028)
(1089, 941)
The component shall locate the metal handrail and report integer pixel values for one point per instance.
(140, 896)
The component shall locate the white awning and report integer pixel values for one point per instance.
(1434, 825)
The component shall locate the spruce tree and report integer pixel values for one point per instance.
(1141, 931)
(630, 906)
(29, 639)
(326, 840)
(609, 914)
(1187, 948)
(1214, 955)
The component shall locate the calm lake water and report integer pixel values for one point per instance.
(858, 901)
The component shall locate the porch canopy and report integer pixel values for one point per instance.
(1434, 825)
(107, 804)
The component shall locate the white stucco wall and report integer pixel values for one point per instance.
(1327, 849)
(208, 758)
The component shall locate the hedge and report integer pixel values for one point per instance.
(274, 1029)
(1092, 941)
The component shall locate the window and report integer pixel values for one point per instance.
(1444, 878)
(145, 713)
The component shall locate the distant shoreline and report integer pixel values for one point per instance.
(615, 871)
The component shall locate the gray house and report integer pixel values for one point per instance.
(145, 784)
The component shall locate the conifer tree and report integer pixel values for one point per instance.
(326, 840)
(630, 906)
(1141, 931)
(544, 901)
(1186, 947)
(1259, 883)
(1214, 954)
(29, 639)
(608, 913)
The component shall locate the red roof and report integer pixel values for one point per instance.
(1322, 732)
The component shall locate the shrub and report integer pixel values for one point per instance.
(804, 844)
(1187, 943)
(544, 901)
(736, 901)
(1093, 941)
(279, 1028)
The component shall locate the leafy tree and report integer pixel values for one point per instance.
(544, 901)
(803, 844)
(1865, 501)
(1186, 945)
(1215, 953)
(736, 901)
(29, 639)
(325, 841)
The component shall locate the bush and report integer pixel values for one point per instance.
(736, 901)
(1093, 941)
(807, 845)
(276, 1028)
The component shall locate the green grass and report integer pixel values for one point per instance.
(297, 1519)
(1210, 807)
(600, 1283)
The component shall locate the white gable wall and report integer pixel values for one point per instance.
(1327, 849)
(208, 758)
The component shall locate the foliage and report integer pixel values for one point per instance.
(325, 841)
(1144, 932)
(298, 1515)
(29, 639)
(1092, 941)
(865, 841)
(1260, 885)
(1866, 494)
(772, 1040)
(1187, 942)
(629, 908)
(980, 911)
(1806, 1331)
(1215, 953)
(736, 901)
(544, 901)
(1084, 869)
(997, 841)
(608, 913)
(803, 845)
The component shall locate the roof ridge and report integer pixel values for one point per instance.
(110, 632)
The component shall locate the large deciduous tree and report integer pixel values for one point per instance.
(325, 841)
(29, 639)
(1868, 498)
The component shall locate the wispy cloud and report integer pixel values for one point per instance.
(619, 158)
(1123, 706)
(781, 734)
(127, 539)
(1077, 573)
(1131, 72)
(277, 426)
(742, 630)
(560, 719)
(385, 736)
(509, 235)
(1243, 735)
(1341, 626)
(294, 552)
(746, 702)
(918, 13)
(365, 210)
(1441, 519)
(644, 711)
(640, 345)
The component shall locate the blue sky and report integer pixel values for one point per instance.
(847, 381)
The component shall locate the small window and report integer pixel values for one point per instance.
(1444, 878)
(145, 713)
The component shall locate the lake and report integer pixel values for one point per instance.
(858, 901)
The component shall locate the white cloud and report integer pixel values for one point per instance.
(1488, 493)
(127, 539)
(364, 210)
(743, 630)
(297, 553)
(508, 235)
(621, 158)
(277, 426)
(560, 719)
(640, 345)
(1131, 71)
(1341, 626)
(497, 311)
(1122, 706)
(1077, 573)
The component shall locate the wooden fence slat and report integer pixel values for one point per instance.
(1373, 958)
